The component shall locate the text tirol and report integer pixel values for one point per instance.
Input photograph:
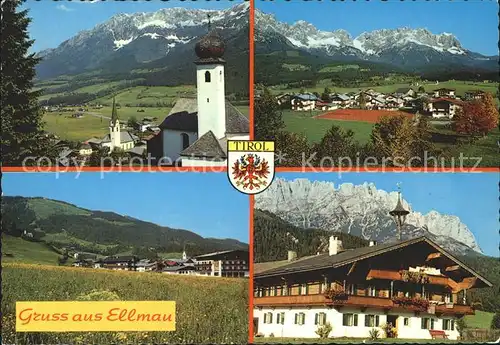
(95, 316)
(250, 146)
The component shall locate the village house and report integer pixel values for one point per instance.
(229, 263)
(145, 265)
(415, 286)
(443, 92)
(474, 95)
(179, 269)
(443, 107)
(341, 100)
(404, 92)
(196, 130)
(320, 105)
(85, 149)
(284, 99)
(303, 102)
(118, 263)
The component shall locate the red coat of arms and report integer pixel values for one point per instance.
(251, 172)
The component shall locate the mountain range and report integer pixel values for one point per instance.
(411, 49)
(164, 39)
(360, 210)
(61, 224)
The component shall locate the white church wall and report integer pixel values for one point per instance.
(196, 162)
(211, 100)
(172, 143)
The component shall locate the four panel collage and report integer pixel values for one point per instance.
(235, 172)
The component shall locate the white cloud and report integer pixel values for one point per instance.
(64, 8)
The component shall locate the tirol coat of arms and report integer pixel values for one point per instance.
(250, 165)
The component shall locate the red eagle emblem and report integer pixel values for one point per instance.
(251, 172)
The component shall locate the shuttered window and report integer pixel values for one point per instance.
(320, 319)
(300, 318)
(372, 320)
(350, 319)
(280, 318)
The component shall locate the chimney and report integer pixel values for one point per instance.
(335, 245)
(292, 255)
(373, 243)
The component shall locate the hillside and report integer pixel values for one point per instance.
(272, 238)
(272, 243)
(60, 224)
(209, 311)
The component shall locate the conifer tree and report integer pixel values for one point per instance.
(22, 126)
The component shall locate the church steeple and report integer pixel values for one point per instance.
(114, 128)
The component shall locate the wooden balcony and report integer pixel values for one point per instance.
(354, 301)
(395, 275)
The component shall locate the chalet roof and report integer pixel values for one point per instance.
(341, 97)
(216, 254)
(447, 100)
(306, 97)
(177, 268)
(323, 261)
(444, 89)
(207, 146)
(184, 116)
(116, 259)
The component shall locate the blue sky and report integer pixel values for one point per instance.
(204, 203)
(54, 22)
(473, 197)
(474, 23)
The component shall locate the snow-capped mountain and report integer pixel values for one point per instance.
(402, 46)
(361, 210)
(141, 37)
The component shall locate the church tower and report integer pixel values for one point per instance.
(184, 254)
(210, 84)
(114, 129)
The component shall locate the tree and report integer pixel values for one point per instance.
(132, 122)
(495, 322)
(292, 147)
(400, 139)
(362, 99)
(22, 125)
(97, 158)
(337, 147)
(421, 89)
(268, 118)
(325, 96)
(477, 118)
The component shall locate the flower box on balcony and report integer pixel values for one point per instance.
(336, 295)
(419, 304)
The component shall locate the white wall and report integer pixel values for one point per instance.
(211, 100)
(194, 162)
(290, 330)
(172, 143)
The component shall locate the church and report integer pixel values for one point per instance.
(196, 130)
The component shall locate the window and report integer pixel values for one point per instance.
(303, 289)
(447, 298)
(427, 323)
(207, 77)
(268, 317)
(208, 100)
(351, 289)
(350, 319)
(406, 321)
(300, 318)
(372, 291)
(280, 318)
(320, 319)
(220, 75)
(448, 325)
(185, 141)
(372, 320)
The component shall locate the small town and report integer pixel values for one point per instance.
(441, 103)
(228, 264)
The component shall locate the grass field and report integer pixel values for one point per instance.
(208, 310)
(442, 136)
(75, 129)
(26, 252)
(314, 129)
(481, 319)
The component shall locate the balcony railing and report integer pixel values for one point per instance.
(352, 300)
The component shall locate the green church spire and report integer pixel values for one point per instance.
(114, 113)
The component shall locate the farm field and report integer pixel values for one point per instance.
(481, 319)
(352, 341)
(209, 310)
(460, 86)
(156, 101)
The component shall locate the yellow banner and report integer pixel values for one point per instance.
(250, 146)
(95, 316)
